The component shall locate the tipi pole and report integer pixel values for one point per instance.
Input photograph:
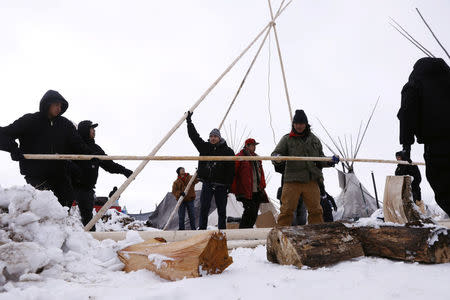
(281, 61)
(365, 129)
(435, 37)
(139, 169)
(375, 189)
(410, 38)
(181, 199)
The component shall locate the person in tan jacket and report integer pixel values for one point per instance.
(178, 188)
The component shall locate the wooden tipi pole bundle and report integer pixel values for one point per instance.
(191, 182)
(139, 169)
(181, 199)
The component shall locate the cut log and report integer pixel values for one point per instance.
(398, 204)
(424, 245)
(312, 245)
(325, 244)
(205, 253)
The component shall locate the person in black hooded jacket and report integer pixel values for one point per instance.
(45, 132)
(216, 176)
(424, 112)
(85, 173)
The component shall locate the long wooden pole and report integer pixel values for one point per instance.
(179, 235)
(139, 169)
(210, 158)
(281, 62)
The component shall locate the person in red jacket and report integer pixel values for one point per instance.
(249, 184)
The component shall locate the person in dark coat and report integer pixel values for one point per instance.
(249, 184)
(85, 173)
(216, 176)
(425, 106)
(45, 132)
(410, 170)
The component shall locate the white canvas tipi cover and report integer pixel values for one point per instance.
(354, 201)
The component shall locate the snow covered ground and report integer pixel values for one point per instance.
(46, 255)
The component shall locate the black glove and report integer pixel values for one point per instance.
(17, 155)
(183, 194)
(127, 173)
(112, 192)
(189, 116)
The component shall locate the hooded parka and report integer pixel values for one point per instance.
(37, 134)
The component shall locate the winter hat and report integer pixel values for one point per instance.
(215, 132)
(179, 169)
(250, 142)
(84, 129)
(300, 117)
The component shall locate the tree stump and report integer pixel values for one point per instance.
(312, 245)
(330, 243)
(398, 204)
(202, 254)
(424, 245)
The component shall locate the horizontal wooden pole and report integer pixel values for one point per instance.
(179, 235)
(207, 158)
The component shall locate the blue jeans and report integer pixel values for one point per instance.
(219, 192)
(182, 213)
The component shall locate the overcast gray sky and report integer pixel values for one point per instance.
(136, 66)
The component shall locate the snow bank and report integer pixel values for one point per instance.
(40, 240)
(251, 276)
(45, 254)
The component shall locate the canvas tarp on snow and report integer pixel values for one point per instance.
(354, 201)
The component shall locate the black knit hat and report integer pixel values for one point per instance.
(300, 117)
(178, 170)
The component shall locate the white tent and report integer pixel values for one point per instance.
(354, 201)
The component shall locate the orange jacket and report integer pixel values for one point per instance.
(180, 185)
